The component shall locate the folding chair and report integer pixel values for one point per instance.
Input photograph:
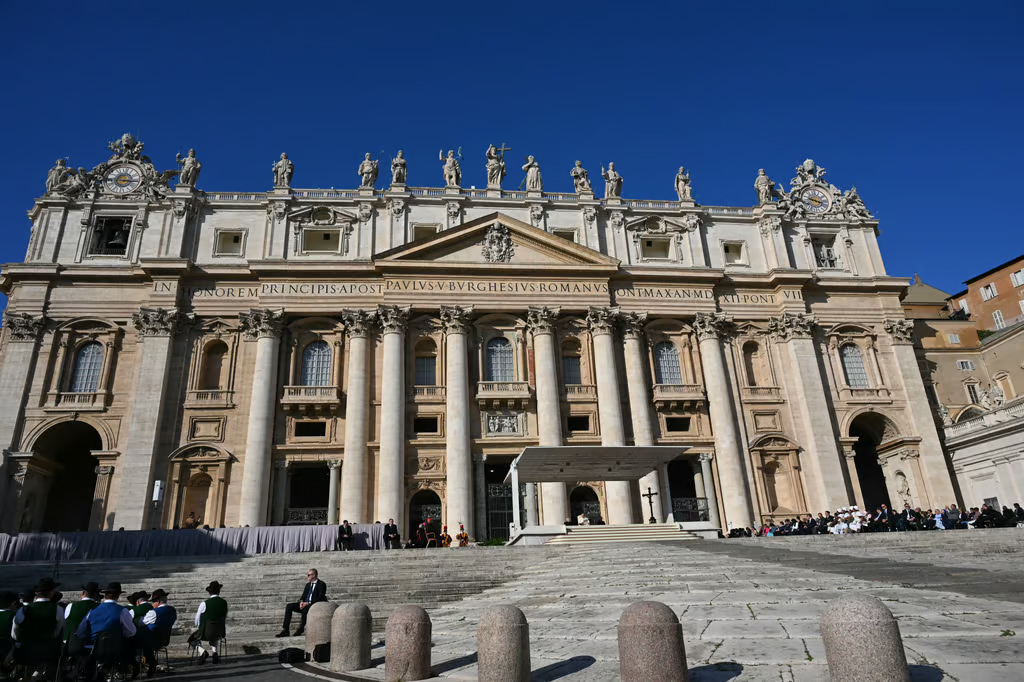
(431, 540)
(213, 631)
(161, 642)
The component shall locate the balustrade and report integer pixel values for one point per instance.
(209, 398)
(311, 397)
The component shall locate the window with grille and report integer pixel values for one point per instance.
(997, 319)
(426, 371)
(972, 394)
(666, 364)
(316, 364)
(85, 378)
(499, 360)
(853, 367)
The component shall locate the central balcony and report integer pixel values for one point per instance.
(428, 394)
(209, 398)
(678, 396)
(311, 398)
(580, 393)
(761, 394)
(77, 402)
(498, 394)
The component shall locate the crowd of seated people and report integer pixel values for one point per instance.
(852, 519)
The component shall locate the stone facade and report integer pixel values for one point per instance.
(308, 355)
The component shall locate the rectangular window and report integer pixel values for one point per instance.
(654, 249)
(421, 231)
(953, 338)
(734, 253)
(963, 305)
(964, 365)
(972, 394)
(677, 424)
(988, 292)
(321, 241)
(425, 425)
(110, 236)
(568, 235)
(426, 371)
(997, 319)
(571, 372)
(825, 254)
(1017, 278)
(578, 423)
(230, 243)
(310, 429)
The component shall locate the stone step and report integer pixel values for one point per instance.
(631, 533)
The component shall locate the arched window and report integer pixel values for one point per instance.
(316, 364)
(853, 367)
(666, 364)
(214, 364)
(426, 363)
(499, 360)
(85, 378)
(572, 372)
(752, 363)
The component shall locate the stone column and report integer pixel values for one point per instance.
(458, 456)
(156, 328)
(709, 490)
(20, 353)
(104, 472)
(736, 496)
(937, 486)
(358, 324)
(391, 477)
(849, 455)
(795, 335)
(640, 399)
(549, 410)
(280, 492)
(532, 511)
(480, 494)
(265, 327)
(601, 322)
(333, 470)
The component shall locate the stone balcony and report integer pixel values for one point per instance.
(209, 398)
(95, 401)
(864, 395)
(761, 394)
(503, 394)
(1007, 412)
(311, 398)
(677, 396)
(580, 393)
(428, 394)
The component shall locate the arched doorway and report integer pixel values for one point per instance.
(424, 505)
(871, 430)
(69, 490)
(584, 500)
(197, 497)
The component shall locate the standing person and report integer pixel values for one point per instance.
(213, 610)
(462, 538)
(75, 612)
(314, 591)
(446, 540)
(345, 536)
(392, 540)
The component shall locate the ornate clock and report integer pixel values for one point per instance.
(123, 179)
(815, 200)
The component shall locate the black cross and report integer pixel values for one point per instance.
(650, 495)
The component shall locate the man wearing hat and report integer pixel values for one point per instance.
(214, 609)
(446, 539)
(46, 620)
(107, 616)
(76, 611)
(162, 615)
(462, 538)
(143, 639)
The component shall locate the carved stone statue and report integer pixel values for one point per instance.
(495, 167)
(903, 488)
(852, 206)
(579, 178)
(534, 183)
(612, 182)
(944, 415)
(683, 185)
(807, 172)
(452, 171)
(75, 182)
(498, 246)
(368, 172)
(765, 188)
(398, 169)
(284, 170)
(57, 175)
(127, 148)
(188, 169)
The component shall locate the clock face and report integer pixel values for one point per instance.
(814, 200)
(123, 179)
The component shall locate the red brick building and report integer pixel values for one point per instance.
(994, 299)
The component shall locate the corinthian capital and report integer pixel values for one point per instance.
(23, 327)
(901, 331)
(358, 323)
(711, 325)
(262, 323)
(393, 319)
(633, 325)
(541, 320)
(602, 320)
(790, 326)
(455, 318)
(159, 321)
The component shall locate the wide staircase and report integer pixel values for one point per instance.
(627, 533)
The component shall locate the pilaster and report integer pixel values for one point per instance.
(640, 399)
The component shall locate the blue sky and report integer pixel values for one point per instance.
(918, 103)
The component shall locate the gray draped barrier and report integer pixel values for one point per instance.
(143, 544)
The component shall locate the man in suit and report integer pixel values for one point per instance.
(392, 540)
(345, 536)
(315, 590)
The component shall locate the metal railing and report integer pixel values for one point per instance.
(690, 509)
(306, 516)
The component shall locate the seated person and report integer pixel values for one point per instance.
(108, 616)
(162, 615)
(213, 610)
(345, 536)
(392, 540)
(7, 602)
(37, 628)
(314, 591)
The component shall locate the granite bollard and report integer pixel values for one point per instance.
(503, 645)
(318, 624)
(350, 638)
(875, 654)
(651, 644)
(407, 645)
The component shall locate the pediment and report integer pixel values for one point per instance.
(497, 241)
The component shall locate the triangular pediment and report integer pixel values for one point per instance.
(496, 241)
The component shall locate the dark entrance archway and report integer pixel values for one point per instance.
(424, 505)
(584, 500)
(308, 491)
(68, 447)
(871, 430)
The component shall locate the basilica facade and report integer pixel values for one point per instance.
(305, 356)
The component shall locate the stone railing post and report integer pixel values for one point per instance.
(503, 645)
(318, 624)
(407, 642)
(651, 644)
(875, 654)
(351, 629)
